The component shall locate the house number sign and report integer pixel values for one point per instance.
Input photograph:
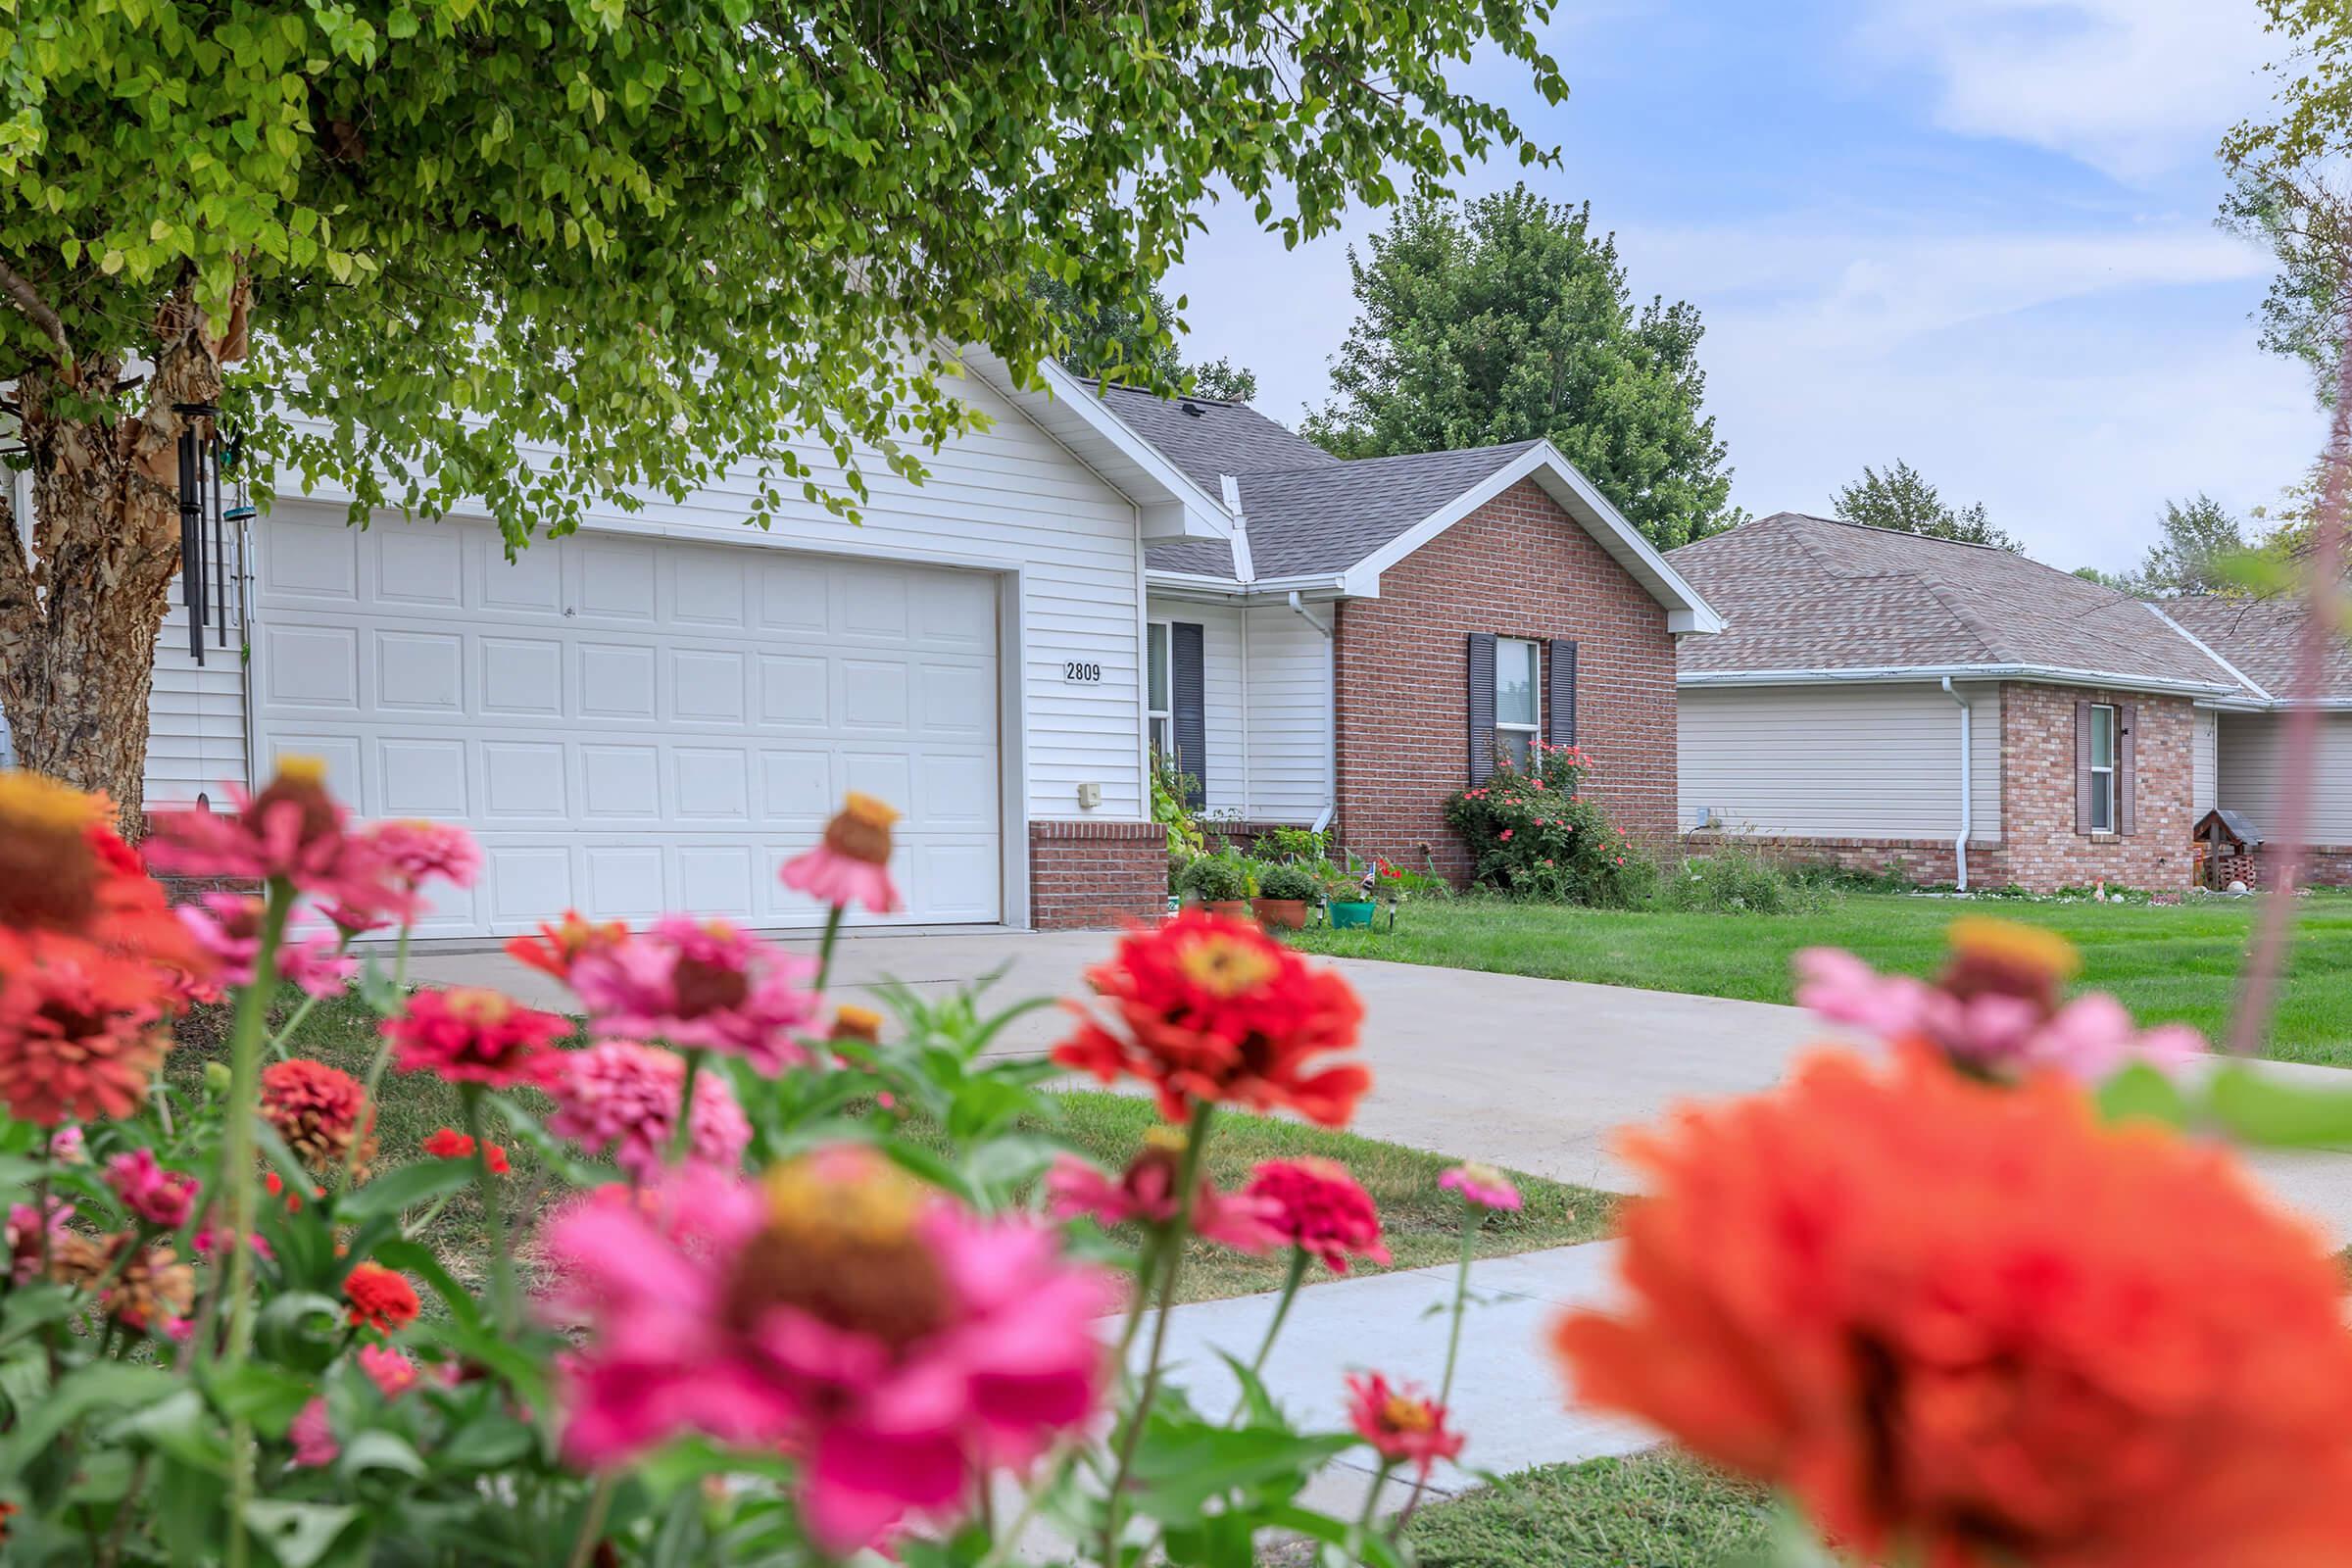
(1081, 672)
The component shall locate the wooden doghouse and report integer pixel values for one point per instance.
(2228, 845)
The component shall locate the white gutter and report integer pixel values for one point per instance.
(2048, 674)
(1331, 807)
(1967, 825)
(1245, 570)
(2210, 652)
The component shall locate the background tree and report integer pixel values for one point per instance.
(1125, 341)
(405, 243)
(1901, 500)
(1505, 319)
(2200, 539)
(2118, 581)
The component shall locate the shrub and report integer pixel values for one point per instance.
(1737, 880)
(1534, 833)
(1290, 881)
(1170, 790)
(1294, 843)
(1215, 878)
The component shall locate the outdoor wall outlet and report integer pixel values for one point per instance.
(1090, 795)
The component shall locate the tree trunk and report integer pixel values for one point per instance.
(82, 599)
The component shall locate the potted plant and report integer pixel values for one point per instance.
(1350, 899)
(1220, 883)
(1284, 892)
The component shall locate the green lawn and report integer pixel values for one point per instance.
(1422, 1223)
(2171, 963)
(1651, 1510)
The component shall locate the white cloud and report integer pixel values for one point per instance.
(2136, 88)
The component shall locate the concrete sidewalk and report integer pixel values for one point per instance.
(1535, 1074)
(1509, 1398)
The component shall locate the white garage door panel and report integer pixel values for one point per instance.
(632, 727)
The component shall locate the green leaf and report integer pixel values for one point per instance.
(99, 1386)
(300, 1329)
(375, 1448)
(2258, 1109)
(298, 1534)
(263, 1395)
(398, 1190)
(1184, 1462)
(2143, 1093)
(414, 1257)
(182, 1426)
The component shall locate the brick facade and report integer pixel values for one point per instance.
(2324, 865)
(1518, 566)
(2042, 850)
(1923, 862)
(1096, 875)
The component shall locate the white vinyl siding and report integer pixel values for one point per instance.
(1266, 679)
(1839, 761)
(1005, 498)
(195, 714)
(2251, 763)
(2202, 743)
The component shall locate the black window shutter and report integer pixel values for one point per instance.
(1482, 705)
(2127, 784)
(1190, 692)
(1560, 694)
(2083, 788)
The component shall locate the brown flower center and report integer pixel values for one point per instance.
(703, 987)
(861, 829)
(1403, 1413)
(842, 1245)
(853, 1022)
(300, 782)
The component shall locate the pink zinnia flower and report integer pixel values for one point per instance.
(161, 1197)
(422, 852)
(228, 926)
(471, 1036)
(1146, 1193)
(701, 986)
(851, 863)
(292, 830)
(899, 1346)
(321, 1112)
(1317, 1206)
(1403, 1427)
(28, 1238)
(314, 1438)
(621, 1096)
(67, 1146)
(1481, 1187)
(392, 1372)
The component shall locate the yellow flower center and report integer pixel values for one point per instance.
(1403, 1413)
(300, 781)
(853, 1022)
(299, 770)
(2013, 946)
(860, 830)
(1164, 1138)
(1226, 966)
(48, 871)
(478, 1007)
(842, 1244)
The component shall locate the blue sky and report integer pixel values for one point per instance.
(1974, 235)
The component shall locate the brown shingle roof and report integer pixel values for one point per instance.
(1805, 593)
(2262, 638)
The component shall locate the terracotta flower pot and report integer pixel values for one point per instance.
(1280, 914)
(1230, 909)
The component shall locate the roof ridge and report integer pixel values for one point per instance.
(1975, 624)
(1359, 464)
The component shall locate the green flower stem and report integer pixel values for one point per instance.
(592, 1523)
(502, 1261)
(681, 1134)
(1146, 1269)
(1291, 1282)
(237, 1169)
(1188, 1182)
(824, 946)
(1380, 1482)
(277, 1042)
(1454, 1345)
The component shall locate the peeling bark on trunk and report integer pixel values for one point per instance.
(82, 600)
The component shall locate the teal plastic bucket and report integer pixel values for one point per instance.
(1353, 916)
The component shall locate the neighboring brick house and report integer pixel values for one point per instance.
(1951, 712)
(1377, 629)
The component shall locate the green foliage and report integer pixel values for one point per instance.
(1216, 878)
(1294, 843)
(1506, 317)
(1536, 834)
(566, 256)
(1125, 341)
(1657, 1509)
(2200, 537)
(1290, 880)
(1170, 793)
(2304, 218)
(1903, 500)
(1737, 880)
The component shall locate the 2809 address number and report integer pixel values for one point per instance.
(1089, 674)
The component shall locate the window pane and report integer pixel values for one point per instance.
(1160, 737)
(1515, 681)
(1156, 691)
(2102, 736)
(2103, 803)
(1513, 744)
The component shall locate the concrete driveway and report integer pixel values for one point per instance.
(1534, 1074)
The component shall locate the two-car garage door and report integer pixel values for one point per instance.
(630, 725)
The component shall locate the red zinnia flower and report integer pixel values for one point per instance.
(451, 1144)
(1317, 1206)
(1966, 1325)
(1147, 1192)
(65, 874)
(471, 1036)
(80, 1036)
(380, 1298)
(1403, 1426)
(556, 947)
(1213, 1009)
(319, 1111)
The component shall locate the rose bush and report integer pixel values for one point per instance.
(1533, 832)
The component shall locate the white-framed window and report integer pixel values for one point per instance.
(1159, 708)
(2102, 767)
(1518, 698)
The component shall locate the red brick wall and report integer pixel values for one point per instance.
(2038, 793)
(2324, 865)
(1519, 566)
(1096, 875)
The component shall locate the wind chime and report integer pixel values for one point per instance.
(204, 521)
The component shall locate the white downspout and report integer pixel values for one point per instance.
(1331, 716)
(1967, 825)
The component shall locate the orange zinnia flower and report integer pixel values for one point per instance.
(1967, 1325)
(80, 1036)
(1212, 1009)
